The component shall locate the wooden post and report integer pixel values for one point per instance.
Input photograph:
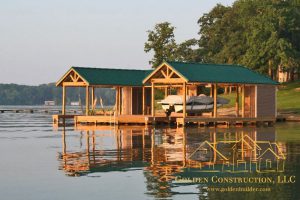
(243, 101)
(166, 92)
(152, 100)
(117, 100)
(64, 101)
(211, 90)
(215, 100)
(87, 107)
(184, 100)
(93, 97)
(120, 104)
(143, 93)
(237, 108)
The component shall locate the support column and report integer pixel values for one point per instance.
(243, 101)
(87, 101)
(93, 97)
(166, 92)
(117, 100)
(64, 100)
(143, 93)
(120, 104)
(215, 100)
(184, 100)
(237, 108)
(152, 100)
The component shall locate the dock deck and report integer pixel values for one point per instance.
(161, 119)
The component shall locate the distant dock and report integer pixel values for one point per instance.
(36, 110)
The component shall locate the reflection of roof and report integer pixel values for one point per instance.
(219, 73)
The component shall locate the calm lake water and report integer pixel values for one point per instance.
(39, 161)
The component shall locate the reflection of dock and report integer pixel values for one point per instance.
(171, 150)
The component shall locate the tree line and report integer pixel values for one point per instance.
(13, 94)
(262, 35)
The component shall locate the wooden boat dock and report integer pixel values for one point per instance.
(135, 94)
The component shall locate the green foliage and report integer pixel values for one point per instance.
(13, 94)
(161, 41)
(259, 34)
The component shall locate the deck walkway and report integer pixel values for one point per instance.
(176, 120)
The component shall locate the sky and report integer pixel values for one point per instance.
(41, 39)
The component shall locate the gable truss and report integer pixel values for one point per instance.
(72, 79)
(165, 74)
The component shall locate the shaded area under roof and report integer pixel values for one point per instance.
(105, 76)
(219, 73)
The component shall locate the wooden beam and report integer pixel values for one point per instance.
(87, 106)
(93, 97)
(215, 101)
(143, 96)
(237, 108)
(117, 100)
(211, 93)
(64, 100)
(152, 100)
(74, 84)
(120, 101)
(184, 100)
(163, 73)
(167, 80)
(171, 74)
(243, 101)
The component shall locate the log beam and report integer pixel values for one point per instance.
(237, 108)
(184, 100)
(215, 101)
(64, 100)
(87, 106)
(152, 100)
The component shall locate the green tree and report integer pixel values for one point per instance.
(161, 41)
(188, 51)
(262, 35)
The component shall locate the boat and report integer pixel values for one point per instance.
(49, 103)
(194, 104)
(75, 103)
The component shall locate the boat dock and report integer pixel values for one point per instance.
(35, 110)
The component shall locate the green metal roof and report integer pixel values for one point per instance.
(219, 73)
(105, 76)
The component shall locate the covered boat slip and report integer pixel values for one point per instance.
(135, 103)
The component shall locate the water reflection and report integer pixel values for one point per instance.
(164, 154)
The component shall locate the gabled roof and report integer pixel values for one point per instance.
(219, 73)
(110, 76)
